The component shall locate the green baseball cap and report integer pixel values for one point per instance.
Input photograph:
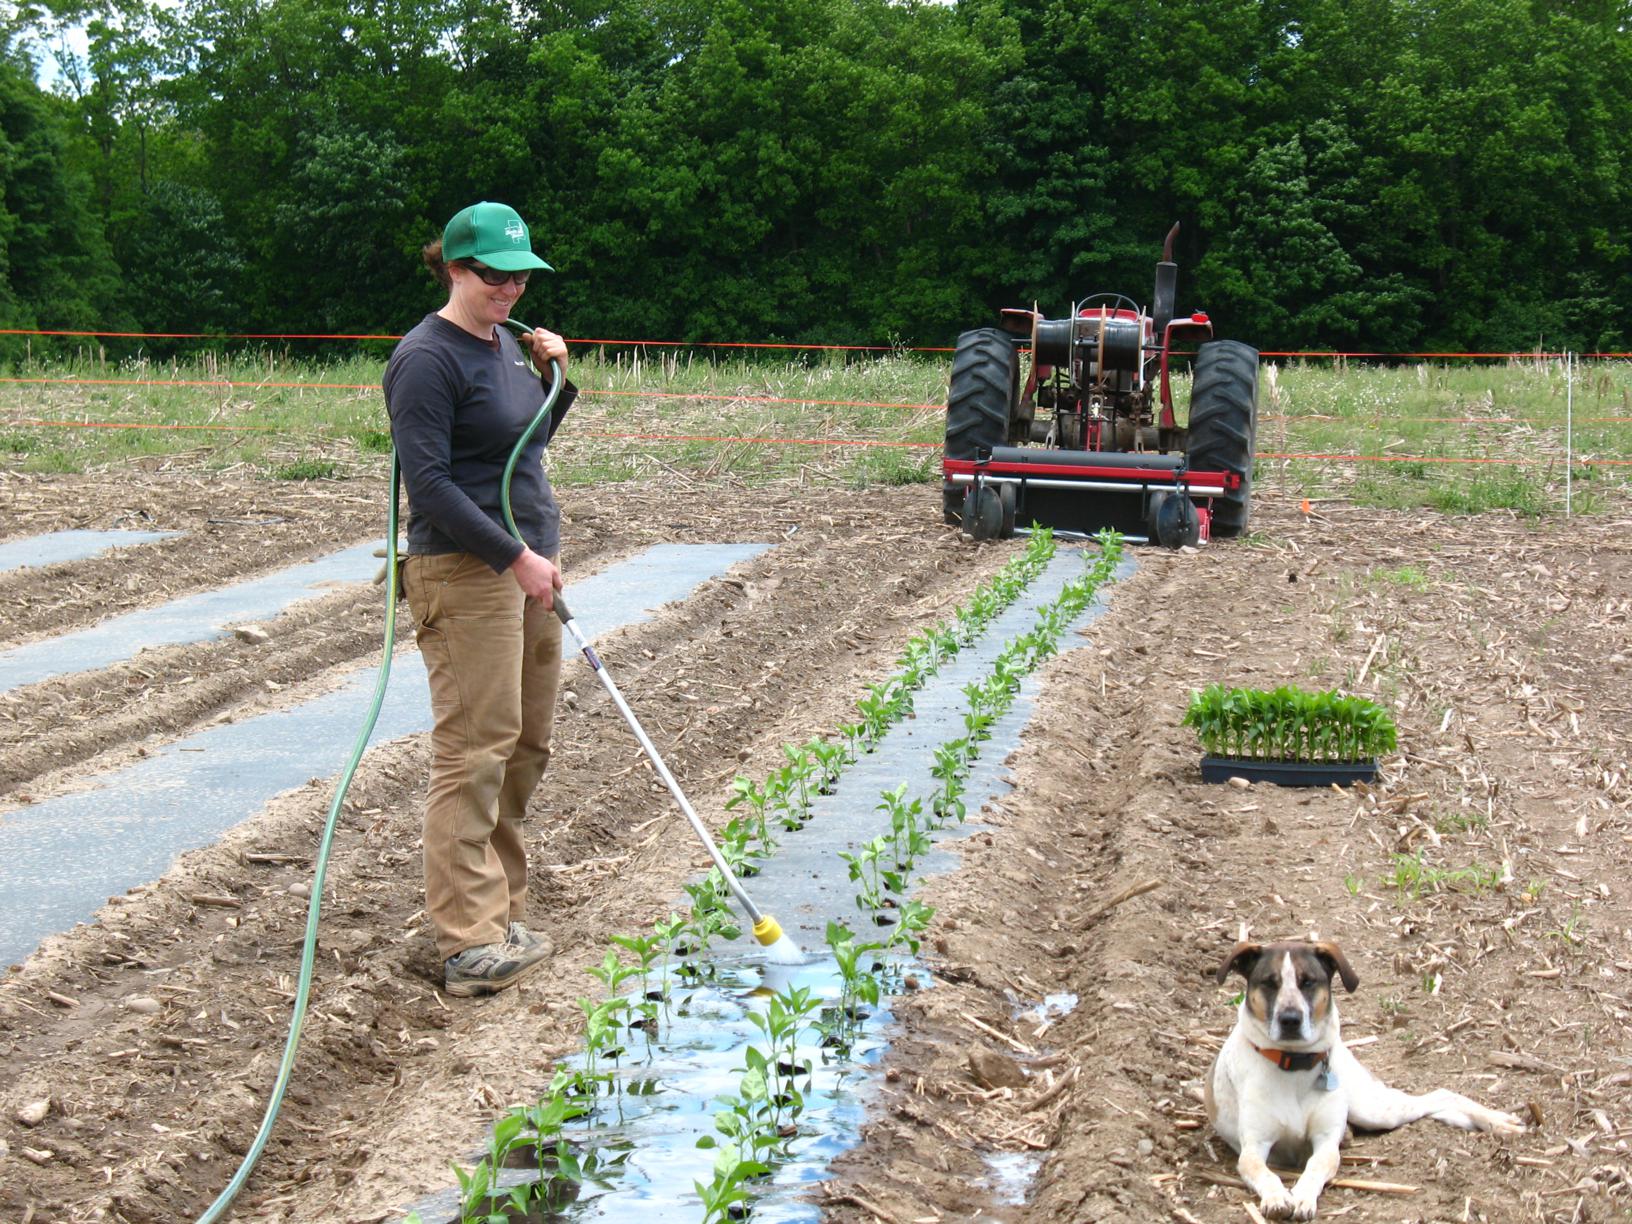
(492, 233)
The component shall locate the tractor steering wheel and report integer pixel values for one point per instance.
(1108, 297)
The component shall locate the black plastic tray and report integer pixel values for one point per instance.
(1288, 773)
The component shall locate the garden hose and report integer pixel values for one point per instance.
(308, 953)
(766, 929)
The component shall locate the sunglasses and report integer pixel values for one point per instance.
(494, 277)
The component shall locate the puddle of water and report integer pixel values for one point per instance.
(58, 546)
(1009, 1175)
(668, 1096)
(805, 886)
(1053, 1007)
(62, 858)
(192, 618)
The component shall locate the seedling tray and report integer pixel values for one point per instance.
(1287, 773)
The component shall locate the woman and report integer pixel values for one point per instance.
(460, 396)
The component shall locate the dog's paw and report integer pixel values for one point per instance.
(1277, 1205)
(1303, 1206)
(1497, 1122)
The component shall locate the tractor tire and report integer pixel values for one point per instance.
(1223, 426)
(1009, 500)
(980, 400)
(982, 513)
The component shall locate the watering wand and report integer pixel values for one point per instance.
(767, 931)
(766, 928)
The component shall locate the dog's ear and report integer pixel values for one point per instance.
(1241, 959)
(1332, 957)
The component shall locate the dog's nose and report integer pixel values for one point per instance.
(1290, 1021)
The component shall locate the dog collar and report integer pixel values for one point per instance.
(1286, 1060)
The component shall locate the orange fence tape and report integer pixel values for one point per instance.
(865, 442)
(193, 382)
(1470, 461)
(139, 425)
(701, 395)
(776, 344)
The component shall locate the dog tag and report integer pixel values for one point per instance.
(1327, 1081)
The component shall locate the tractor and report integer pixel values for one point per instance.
(1088, 438)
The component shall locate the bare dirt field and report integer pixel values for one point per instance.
(1477, 888)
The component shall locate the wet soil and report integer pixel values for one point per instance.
(1500, 964)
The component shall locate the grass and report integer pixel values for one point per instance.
(1411, 577)
(306, 469)
(1413, 877)
(1461, 822)
(1463, 439)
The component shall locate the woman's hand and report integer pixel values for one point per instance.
(536, 575)
(545, 347)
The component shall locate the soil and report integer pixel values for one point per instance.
(1502, 969)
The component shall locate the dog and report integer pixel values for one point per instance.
(1284, 1084)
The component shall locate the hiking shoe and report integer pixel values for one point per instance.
(489, 968)
(520, 937)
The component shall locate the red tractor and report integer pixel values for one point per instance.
(1088, 439)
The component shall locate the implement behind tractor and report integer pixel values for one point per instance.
(1089, 439)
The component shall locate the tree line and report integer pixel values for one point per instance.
(1353, 174)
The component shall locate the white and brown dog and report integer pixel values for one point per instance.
(1285, 1084)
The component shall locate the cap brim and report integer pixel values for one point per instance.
(513, 261)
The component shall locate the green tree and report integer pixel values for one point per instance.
(57, 269)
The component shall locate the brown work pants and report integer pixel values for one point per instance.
(494, 661)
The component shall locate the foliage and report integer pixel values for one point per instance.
(1289, 724)
(836, 170)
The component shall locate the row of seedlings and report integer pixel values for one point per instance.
(785, 796)
(882, 872)
(762, 1115)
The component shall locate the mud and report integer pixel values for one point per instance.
(1500, 968)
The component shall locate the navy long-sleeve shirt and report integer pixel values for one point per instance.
(458, 406)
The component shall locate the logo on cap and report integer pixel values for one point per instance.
(515, 231)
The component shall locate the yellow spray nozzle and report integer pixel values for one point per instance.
(767, 931)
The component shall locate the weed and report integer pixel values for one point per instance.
(1413, 876)
(306, 469)
(1507, 491)
(1354, 884)
(1461, 822)
(1570, 931)
(894, 466)
(1409, 576)
(57, 462)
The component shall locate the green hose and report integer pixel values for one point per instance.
(308, 953)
